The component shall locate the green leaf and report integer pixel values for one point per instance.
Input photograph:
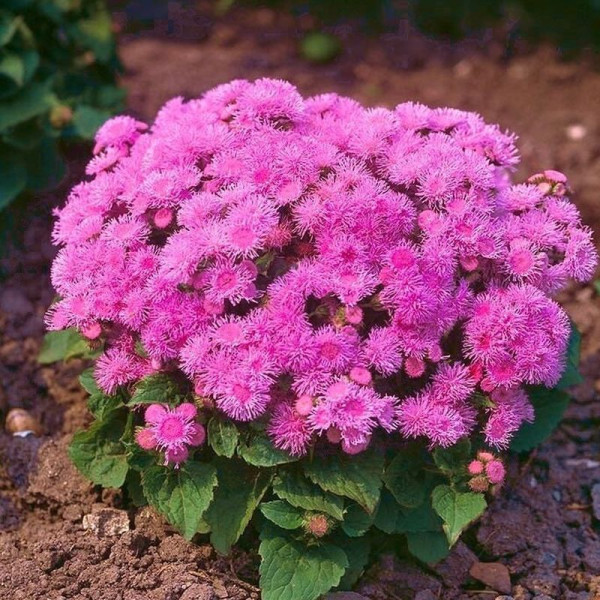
(32, 101)
(133, 483)
(239, 492)
(356, 477)
(13, 177)
(87, 120)
(392, 518)
(549, 407)
(12, 70)
(88, 382)
(95, 33)
(281, 513)
(260, 452)
(290, 570)
(62, 345)
(8, 27)
(452, 461)
(401, 477)
(571, 375)
(155, 389)
(139, 459)
(299, 492)
(357, 551)
(181, 495)
(223, 436)
(457, 509)
(428, 546)
(100, 405)
(356, 521)
(99, 452)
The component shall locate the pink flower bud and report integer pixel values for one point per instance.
(187, 410)
(361, 375)
(317, 525)
(415, 367)
(485, 456)
(92, 331)
(354, 315)
(145, 439)
(333, 435)
(475, 467)
(155, 413)
(495, 471)
(349, 448)
(304, 405)
(197, 435)
(163, 217)
(469, 263)
(176, 455)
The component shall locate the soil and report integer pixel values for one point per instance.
(60, 538)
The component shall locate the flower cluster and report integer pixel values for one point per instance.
(485, 470)
(324, 267)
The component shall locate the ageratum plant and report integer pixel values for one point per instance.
(57, 72)
(316, 319)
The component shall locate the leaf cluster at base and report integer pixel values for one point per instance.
(318, 517)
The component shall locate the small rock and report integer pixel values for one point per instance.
(494, 575)
(576, 132)
(543, 597)
(106, 521)
(504, 598)
(198, 591)
(21, 423)
(596, 500)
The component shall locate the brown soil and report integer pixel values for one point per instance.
(541, 525)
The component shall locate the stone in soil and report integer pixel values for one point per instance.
(494, 575)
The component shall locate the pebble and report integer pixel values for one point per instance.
(576, 132)
(21, 424)
(106, 522)
(494, 575)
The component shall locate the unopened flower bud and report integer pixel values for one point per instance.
(304, 405)
(60, 116)
(475, 467)
(495, 471)
(317, 525)
(479, 484)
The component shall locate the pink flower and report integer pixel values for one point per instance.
(171, 431)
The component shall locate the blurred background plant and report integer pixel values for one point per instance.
(570, 26)
(57, 82)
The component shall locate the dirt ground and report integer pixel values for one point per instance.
(544, 524)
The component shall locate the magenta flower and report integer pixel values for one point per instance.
(171, 431)
(335, 270)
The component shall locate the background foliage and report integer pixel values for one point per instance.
(57, 81)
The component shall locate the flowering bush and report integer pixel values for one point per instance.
(345, 303)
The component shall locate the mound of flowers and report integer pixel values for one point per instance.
(335, 313)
